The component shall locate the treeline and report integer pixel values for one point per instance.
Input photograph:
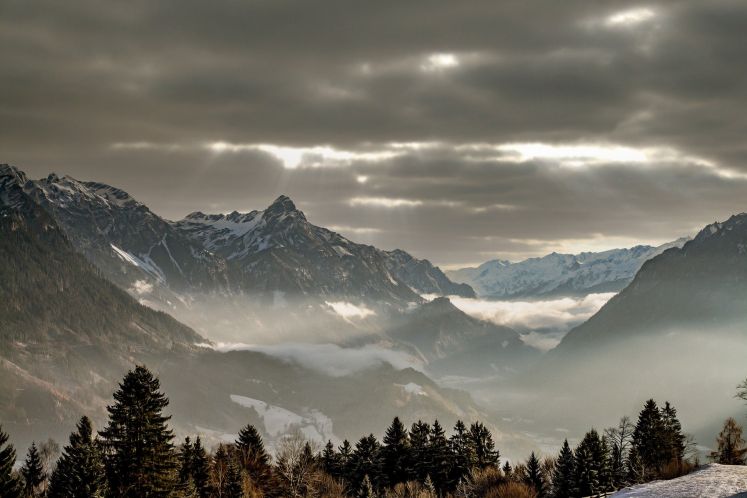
(134, 455)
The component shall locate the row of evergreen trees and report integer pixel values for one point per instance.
(135, 456)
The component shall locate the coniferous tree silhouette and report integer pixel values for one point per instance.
(648, 439)
(563, 478)
(10, 485)
(395, 454)
(139, 456)
(534, 475)
(32, 472)
(80, 470)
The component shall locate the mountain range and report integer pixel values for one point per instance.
(559, 274)
(68, 331)
(83, 259)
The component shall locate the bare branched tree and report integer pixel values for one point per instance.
(296, 463)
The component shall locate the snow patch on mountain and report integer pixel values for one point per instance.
(559, 274)
(279, 421)
(350, 310)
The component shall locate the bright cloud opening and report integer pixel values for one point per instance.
(630, 17)
(295, 157)
(385, 202)
(439, 62)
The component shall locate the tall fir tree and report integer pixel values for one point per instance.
(345, 452)
(226, 474)
(139, 455)
(563, 478)
(482, 447)
(80, 470)
(420, 451)
(648, 439)
(33, 473)
(366, 462)
(329, 460)
(186, 453)
(395, 454)
(254, 459)
(533, 477)
(200, 469)
(730, 446)
(10, 485)
(462, 451)
(440, 458)
(674, 439)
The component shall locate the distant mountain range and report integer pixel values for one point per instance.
(559, 274)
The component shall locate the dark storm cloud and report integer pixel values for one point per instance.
(663, 79)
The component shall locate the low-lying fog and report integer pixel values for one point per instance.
(557, 396)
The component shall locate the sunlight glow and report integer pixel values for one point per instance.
(440, 62)
(384, 202)
(630, 17)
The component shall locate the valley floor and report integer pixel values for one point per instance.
(712, 481)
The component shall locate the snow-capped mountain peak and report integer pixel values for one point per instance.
(559, 274)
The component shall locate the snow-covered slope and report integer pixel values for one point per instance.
(711, 481)
(559, 274)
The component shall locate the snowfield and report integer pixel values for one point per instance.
(711, 481)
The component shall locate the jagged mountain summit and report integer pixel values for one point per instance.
(261, 276)
(559, 274)
(261, 252)
(279, 249)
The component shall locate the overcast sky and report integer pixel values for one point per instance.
(460, 131)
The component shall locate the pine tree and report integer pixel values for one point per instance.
(648, 439)
(587, 464)
(200, 469)
(366, 462)
(80, 470)
(395, 454)
(251, 446)
(10, 486)
(602, 455)
(225, 474)
(508, 470)
(186, 453)
(563, 479)
(440, 458)
(33, 472)
(345, 451)
(534, 475)
(420, 451)
(731, 449)
(461, 449)
(330, 460)
(674, 440)
(253, 457)
(482, 447)
(139, 455)
(233, 485)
